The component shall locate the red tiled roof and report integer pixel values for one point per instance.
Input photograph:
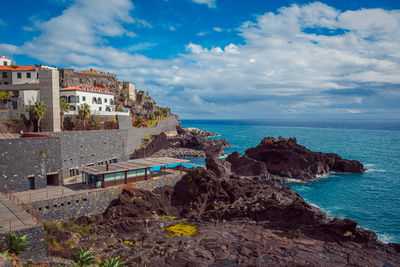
(5, 68)
(89, 71)
(26, 68)
(88, 89)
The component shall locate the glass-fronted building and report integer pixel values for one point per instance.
(125, 172)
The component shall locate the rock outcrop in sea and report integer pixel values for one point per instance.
(284, 158)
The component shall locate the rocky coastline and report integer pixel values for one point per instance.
(234, 219)
(187, 143)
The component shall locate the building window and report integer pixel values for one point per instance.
(19, 75)
(5, 63)
(28, 75)
(105, 100)
(94, 100)
(4, 74)
(72, 108)
(71, 172)
(99, 101)
(77, 99)
(83, 98)
(99, 108)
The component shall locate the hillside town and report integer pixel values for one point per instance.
(68, 137)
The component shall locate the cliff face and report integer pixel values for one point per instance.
(140, 104)
(70, 78)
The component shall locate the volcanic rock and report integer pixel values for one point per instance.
(243, 165)
(218, 166)
(284, 157)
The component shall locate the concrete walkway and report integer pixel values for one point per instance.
(12, 218)
(52, 192)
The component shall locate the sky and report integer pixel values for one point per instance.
(224, 59)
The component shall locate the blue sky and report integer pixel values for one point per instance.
(224, 59)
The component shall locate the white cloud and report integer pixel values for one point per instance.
(209, 3)
(300, 61)
(217, 29)
(202, 33)
(2, 23)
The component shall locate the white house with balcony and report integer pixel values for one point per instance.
(5, 61)
(100, 100)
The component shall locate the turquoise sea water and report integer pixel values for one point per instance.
(371, 198)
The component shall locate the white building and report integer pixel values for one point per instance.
(100, 100)
(5, 61)
(25, 74)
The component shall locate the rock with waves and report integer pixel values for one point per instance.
(285, 158)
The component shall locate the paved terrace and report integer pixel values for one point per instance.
(79, 188)
(12, 217)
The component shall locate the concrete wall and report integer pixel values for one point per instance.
(132, 138)
(24, 77)
(20, 158)
(50, 95)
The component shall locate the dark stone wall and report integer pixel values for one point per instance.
(74, 206)
(93, 202)
(86, 147)
(37, 244)
(20, 158)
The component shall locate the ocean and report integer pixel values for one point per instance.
(371, 198)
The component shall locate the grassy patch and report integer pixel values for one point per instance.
(171, 218)
(288, 235)
(181, 229)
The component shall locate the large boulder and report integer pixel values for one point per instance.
(219, 167)
(243, 165)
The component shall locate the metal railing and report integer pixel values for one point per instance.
(20, 204)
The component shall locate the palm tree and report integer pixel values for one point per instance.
(16, 244)
(84, 113)
(64, 107)
(112, 262)
(151, 116)
(38, 110)
(157, 113)
(82, 257)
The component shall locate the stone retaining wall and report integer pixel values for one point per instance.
(37, 243)
(74, 206)
(92, 202)
(28, 157)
